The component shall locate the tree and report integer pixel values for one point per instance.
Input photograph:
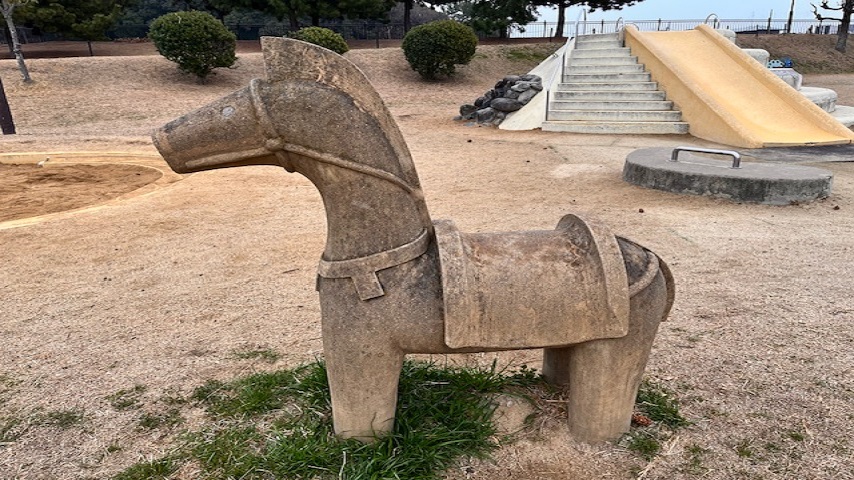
(438, 47)
(489, 17)
(7, 8)
(315, 10)
(196, 41)
(81, 19)
(417, 8)
(845, 7)
(7, 126)
(323, 37)
(594, 5)
(367, 9)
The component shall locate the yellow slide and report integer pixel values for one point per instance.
(728, 97)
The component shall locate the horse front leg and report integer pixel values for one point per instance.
(603, 376)
(363, 374)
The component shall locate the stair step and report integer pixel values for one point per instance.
(597, 37)
(617, 128)
(657, 105)
(603, 69)
(601, 52)
(606, 77)
(595, 45)
(616, 115)
(605, 90)
(607, 86)
(621, 60)
(642, 95)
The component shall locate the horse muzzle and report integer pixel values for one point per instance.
(233, 131)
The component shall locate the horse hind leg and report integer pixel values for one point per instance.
(603, 376)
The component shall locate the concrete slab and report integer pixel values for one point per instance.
(825, 98)
(844, 114)
(767, 183)
(807, 154)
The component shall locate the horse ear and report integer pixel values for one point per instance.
(286, 59)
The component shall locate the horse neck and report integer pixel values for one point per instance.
(368, 210)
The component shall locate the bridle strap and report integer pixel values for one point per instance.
(363, 270)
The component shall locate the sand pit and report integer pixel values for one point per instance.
(38, 186)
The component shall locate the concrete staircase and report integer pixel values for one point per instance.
(606, 90)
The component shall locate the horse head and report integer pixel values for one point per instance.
(312, 100)
(317, 114)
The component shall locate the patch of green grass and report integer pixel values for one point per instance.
(694, 460)
(525, 54)
(772, 447)
(11, 429)
(645, 443)
(127, 399)
(7, 382)
(153, 421)
(744, 449)
(160, 469)
(6, 385)
(279, 425)
(659, 404)
(795, 435)
(265, 354)
(170, 399)
(62, 419)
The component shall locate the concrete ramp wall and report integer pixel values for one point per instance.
(728, 97)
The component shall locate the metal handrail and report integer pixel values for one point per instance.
(583, 13)
(717, 19)
(558, 71)
(736, 157)
(621, 33)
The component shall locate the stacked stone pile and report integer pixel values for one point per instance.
(510, 94)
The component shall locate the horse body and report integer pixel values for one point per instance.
(385, 277)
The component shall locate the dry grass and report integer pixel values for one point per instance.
(810, 53)
(163, 291)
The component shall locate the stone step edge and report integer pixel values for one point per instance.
(618, 108)
(622, 128)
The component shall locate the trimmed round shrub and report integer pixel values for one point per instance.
(323, 37)
(437, 47)
(196, 41)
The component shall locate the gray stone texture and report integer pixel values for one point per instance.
(391, 282)
(768, 183)
(510, 94)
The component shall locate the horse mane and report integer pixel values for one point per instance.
(286, 59)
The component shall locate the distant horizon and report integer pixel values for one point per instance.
(669, 10)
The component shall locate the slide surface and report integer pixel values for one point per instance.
(728, 97)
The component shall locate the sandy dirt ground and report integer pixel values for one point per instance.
(163, 289)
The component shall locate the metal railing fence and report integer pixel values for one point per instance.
(371, 30)
(768, 26)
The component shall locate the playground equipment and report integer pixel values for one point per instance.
(392, 282)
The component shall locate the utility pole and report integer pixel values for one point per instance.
(791, 15)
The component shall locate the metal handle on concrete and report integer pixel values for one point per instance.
(736, 157)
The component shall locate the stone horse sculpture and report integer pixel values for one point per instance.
(392, 282)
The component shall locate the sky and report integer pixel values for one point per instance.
(698, 10)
